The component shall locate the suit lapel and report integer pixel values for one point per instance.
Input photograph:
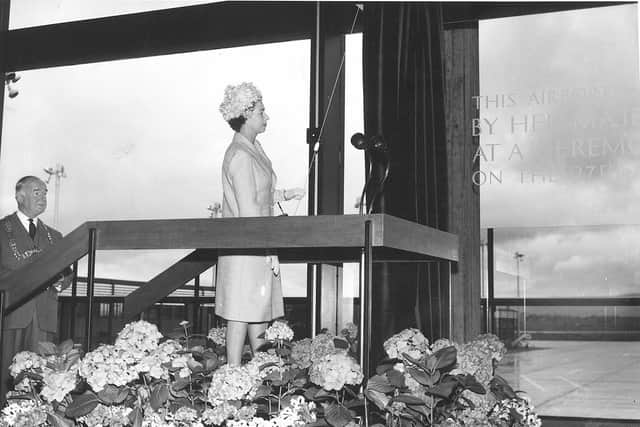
(23, 241)
(41, 239)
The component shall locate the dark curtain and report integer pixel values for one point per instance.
(404, 104)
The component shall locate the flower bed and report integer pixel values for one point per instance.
(145, 379)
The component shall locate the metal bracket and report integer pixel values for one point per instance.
(312, 135)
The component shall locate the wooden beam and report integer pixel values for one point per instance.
(169, 31)
(401, 234)
(469, 11)
(462, 78)
(23, 284)
(168, 281)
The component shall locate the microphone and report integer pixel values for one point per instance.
(375, 144)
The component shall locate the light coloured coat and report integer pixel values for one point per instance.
(247, 289)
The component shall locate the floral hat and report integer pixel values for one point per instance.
(239, 99)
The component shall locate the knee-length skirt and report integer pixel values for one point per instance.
(247, 290)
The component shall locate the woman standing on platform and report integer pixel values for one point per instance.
(248, 288)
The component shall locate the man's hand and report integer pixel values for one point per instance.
(59, 285)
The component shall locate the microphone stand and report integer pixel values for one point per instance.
(362, 196)
(383, 181)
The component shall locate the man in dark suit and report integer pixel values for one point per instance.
(23, 236)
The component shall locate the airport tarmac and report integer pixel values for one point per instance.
(592, 379)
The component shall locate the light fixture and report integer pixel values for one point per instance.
(10, 78)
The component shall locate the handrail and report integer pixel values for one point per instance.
(566, 302)
(167, 281)
(25, 283)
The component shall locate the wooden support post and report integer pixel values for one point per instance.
(326, 186)
(461, 52)
(91, 276)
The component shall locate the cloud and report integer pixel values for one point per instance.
(573, 263)
(591, 261)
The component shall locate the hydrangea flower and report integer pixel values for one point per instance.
(58, 384)
(297, 414)
(185, 415)
(107, 364)
(231, 383)
(246, 413)
(219, 413)
(218, 335)
(307, 351)
(141, 336)
(476, 413)
(261, 358)
(278, 331)
(409, 341)
(155, 364)
(182, 361)
(477, 357)
(518, 412)
(155, 419)
(239, 100)
(26, 361)
(333, 371)
(24, 413)
(103, 415)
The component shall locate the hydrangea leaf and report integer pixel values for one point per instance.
(57, 421)
(337, 415)
(159, 395)
(380, 384)
(111, 394)
(82, 405)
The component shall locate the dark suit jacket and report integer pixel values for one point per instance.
(18, 250)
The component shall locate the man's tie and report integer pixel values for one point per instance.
(32, 229)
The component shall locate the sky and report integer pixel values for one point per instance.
(142, 138)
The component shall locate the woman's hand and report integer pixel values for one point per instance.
(275, 264)
(294, 193)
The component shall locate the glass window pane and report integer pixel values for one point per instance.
(31, 13)
(559, 133)
(354, 178)
(143, 139)
(353, 123)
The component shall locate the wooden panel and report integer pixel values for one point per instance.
(235, 233)
(462, 83)
(168, 281)
(23, 284)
